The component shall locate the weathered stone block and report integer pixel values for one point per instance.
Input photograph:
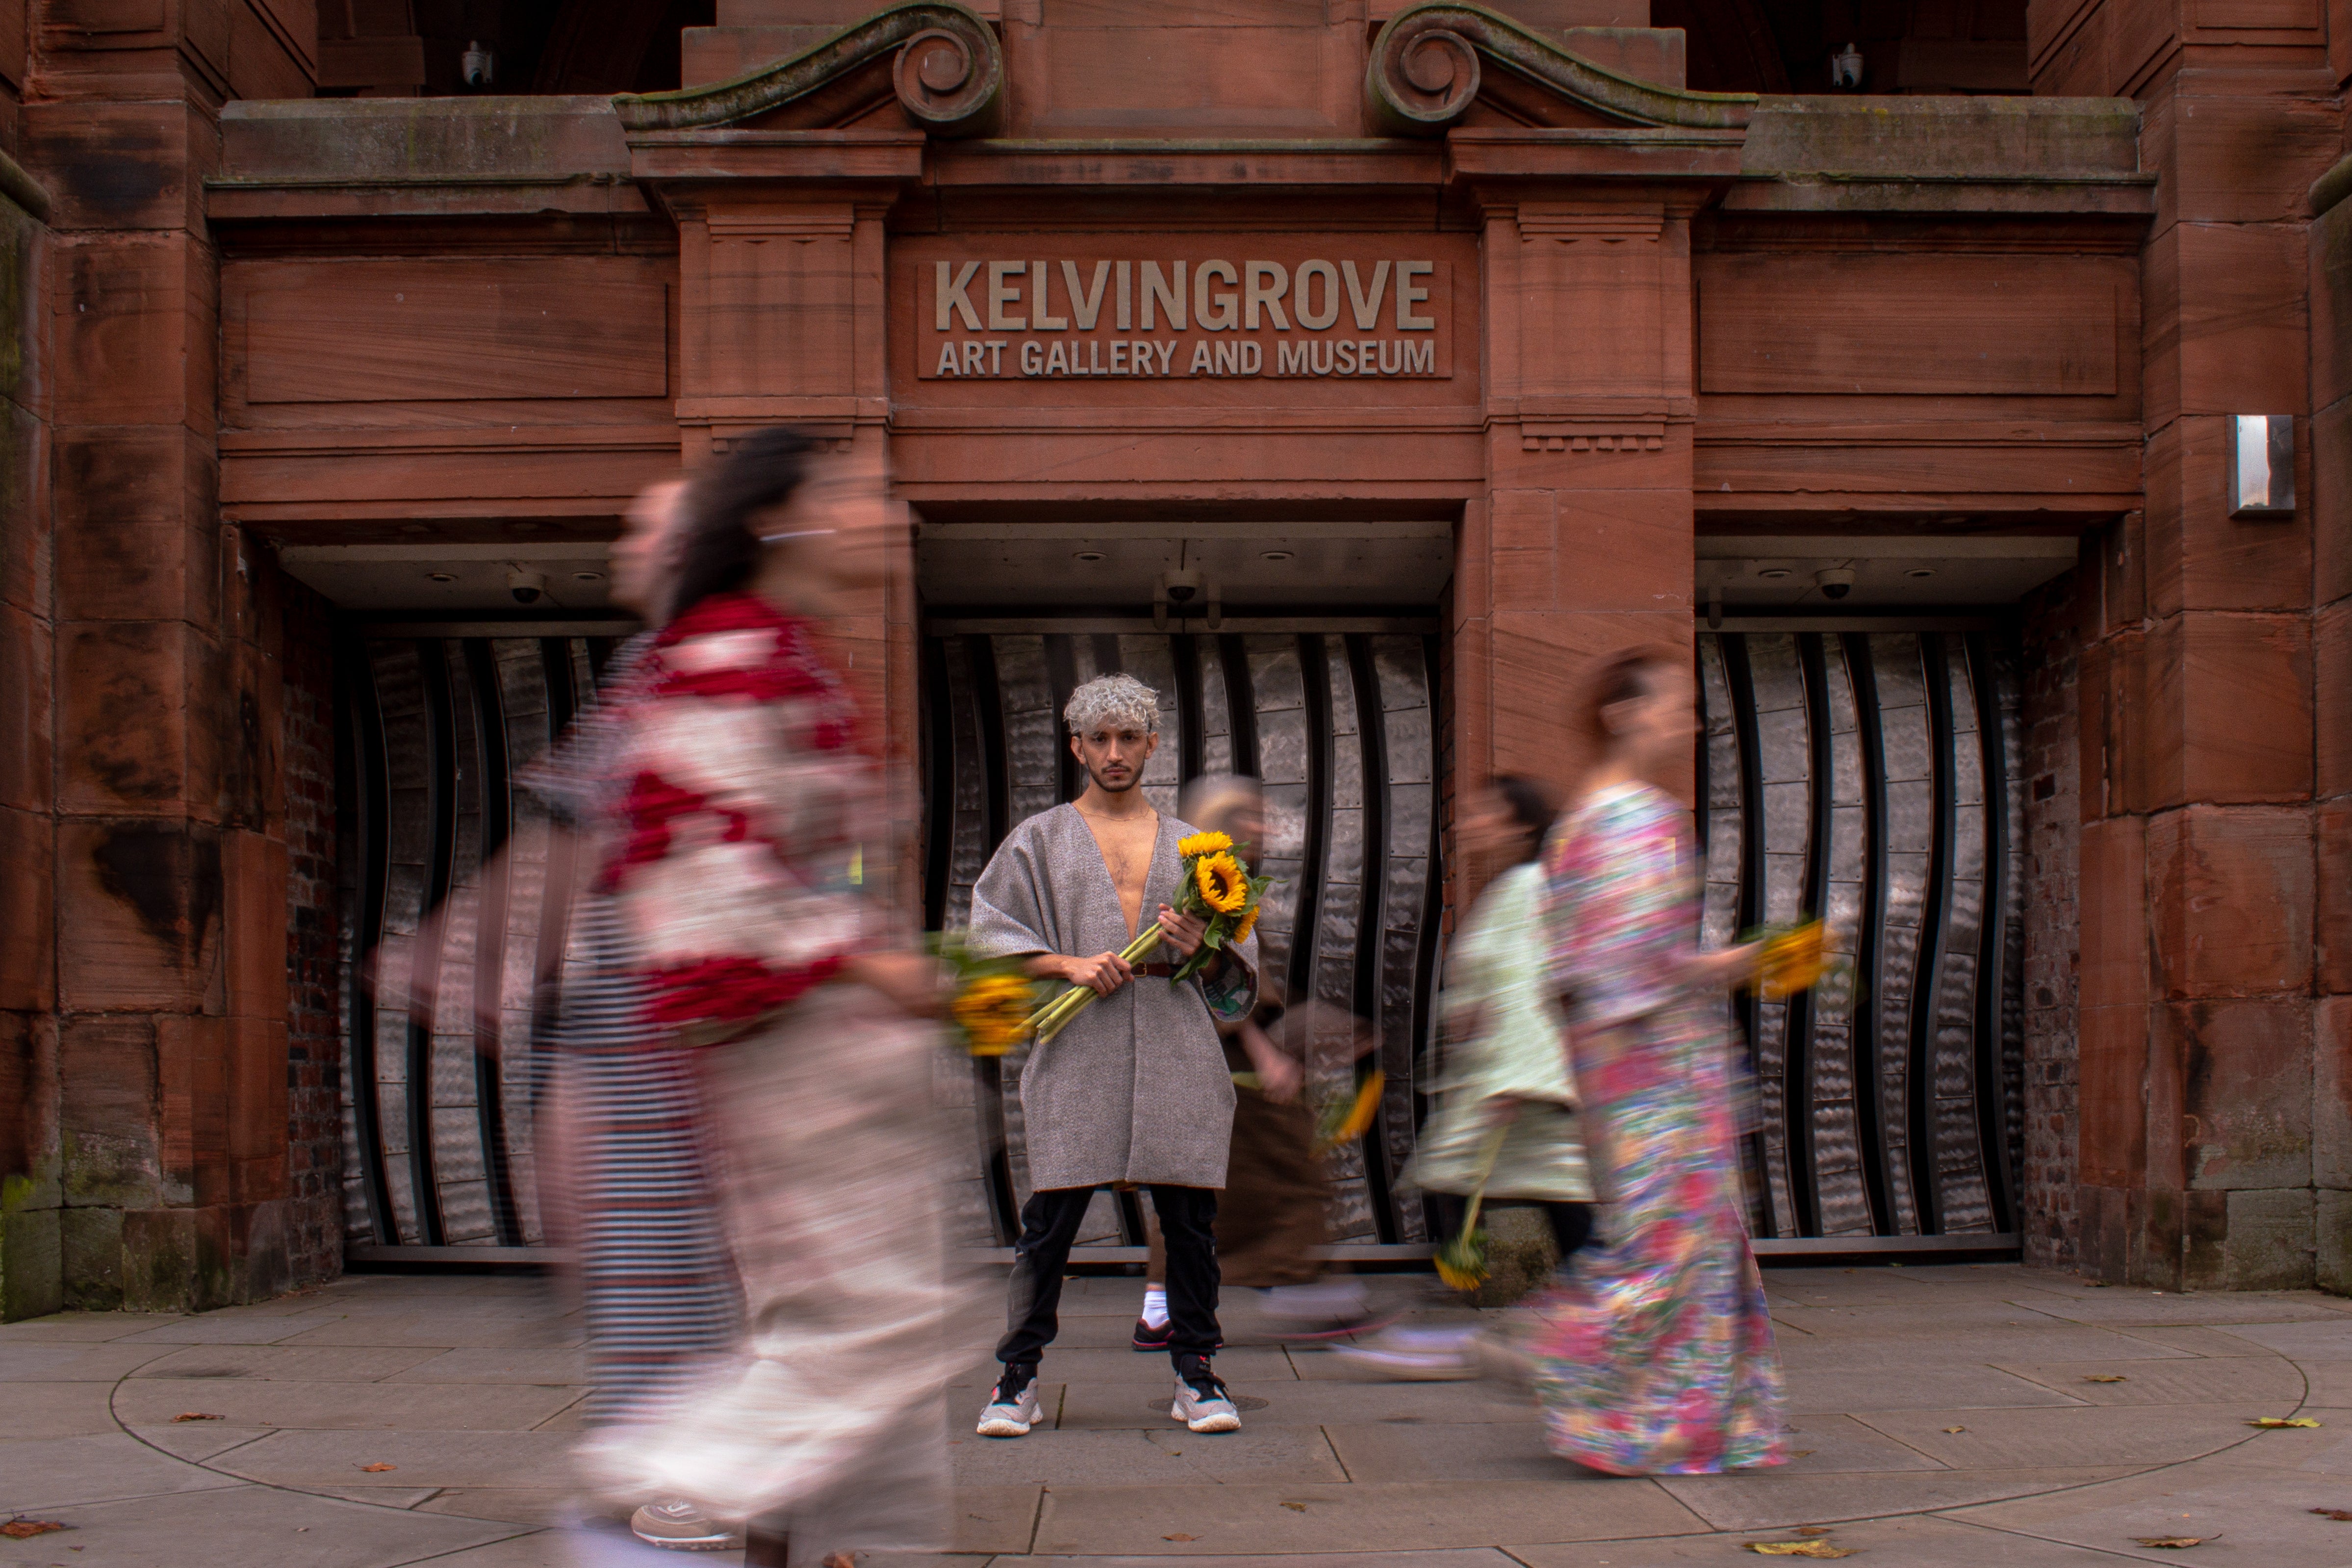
(2270, 1246)
(144, 902)
(2246, 1093)
(26, 683)
(2231, 889)
(2331, 498)
(2332, 1231)
(136, 537)
(31, 1276)
(136, 336)
(119, 167)
(159, 1260)
(2225, 328)
(2199, 556)
(108, 1114)
(93, 1247)
(2331, 1093)
(2226, 709)
(27, 911)
(124, 689)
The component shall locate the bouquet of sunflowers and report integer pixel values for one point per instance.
(1794, 958)
(1217, 887)
(992, 999)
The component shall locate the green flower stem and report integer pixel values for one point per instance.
(1049, 1020)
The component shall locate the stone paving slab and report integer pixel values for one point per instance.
(1768, 1498)
(420, 1458)
(57, 1410)
(2085, 1435)
(71, 1360)
(448, 1407)
(2246, 1514)
(1824, 1445)
(1170, 1455)
(1928, 1542)
(1402, 1516)
(1311, 1403)
(295, 1363)
(2325, 1339)
(2264, 1380)
(1948, 1387)
(40, 1474)
(242, 1526)
(2326, 1452)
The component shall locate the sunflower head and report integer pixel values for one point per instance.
(1203, 844)
(1224, 887)
(1462, 1262)
(993, 1014)
(1246, 924)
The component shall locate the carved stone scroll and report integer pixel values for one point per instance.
(1429, 62)
(940, 62)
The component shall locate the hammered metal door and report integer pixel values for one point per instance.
(438, 1120)
(1338, 727)
(1871, 777)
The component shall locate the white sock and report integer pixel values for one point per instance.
(1155, 1305)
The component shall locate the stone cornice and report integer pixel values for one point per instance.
(941, 60)
(1429, 62)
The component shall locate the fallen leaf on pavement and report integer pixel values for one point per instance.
(2282, 1421)
(2341, 1515)
(1812, 1529)
(378, 1470)
(1180, 1538)
(1295, 1507)
(195, 1416)
(2106, 1377)
(1955, 1428)
(23, 1529)
(1796, 1548)
(1801, 1453)
(2169, 1539)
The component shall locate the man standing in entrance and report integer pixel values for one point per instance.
(1136, 1088)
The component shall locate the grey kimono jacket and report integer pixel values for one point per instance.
(1136, 1088)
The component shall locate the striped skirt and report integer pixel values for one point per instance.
(657, 1280)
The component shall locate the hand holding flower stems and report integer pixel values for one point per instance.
(1217, 889)
(1793, 958)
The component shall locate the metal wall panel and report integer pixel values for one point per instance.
(1869, 777)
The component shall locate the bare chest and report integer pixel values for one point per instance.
(1126, 846)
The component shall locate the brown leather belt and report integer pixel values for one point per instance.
(1157, 970)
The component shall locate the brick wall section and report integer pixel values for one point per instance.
(314, 1153)
(2053, 645)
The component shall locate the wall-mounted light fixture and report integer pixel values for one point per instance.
(2262, 465)
(475, 66)
(1846, 70)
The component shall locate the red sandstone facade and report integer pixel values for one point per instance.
(2013, 290)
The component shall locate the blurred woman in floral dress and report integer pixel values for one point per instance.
(1652, 1354)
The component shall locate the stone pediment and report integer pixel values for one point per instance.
(1436, 65)
(943, 64)
(1432, 67)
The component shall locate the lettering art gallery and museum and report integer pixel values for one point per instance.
(1964, 383)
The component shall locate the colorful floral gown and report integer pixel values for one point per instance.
(1654, 1354)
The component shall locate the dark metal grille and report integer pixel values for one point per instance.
(1872, 778)
(438, 1111)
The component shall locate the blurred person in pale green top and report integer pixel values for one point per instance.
(1504, 1066)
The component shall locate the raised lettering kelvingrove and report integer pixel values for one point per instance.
(1207, 317)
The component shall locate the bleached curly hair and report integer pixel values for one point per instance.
(1113, 702)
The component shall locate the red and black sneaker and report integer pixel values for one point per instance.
(1148, 1337)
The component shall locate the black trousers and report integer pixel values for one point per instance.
(1049, 1223)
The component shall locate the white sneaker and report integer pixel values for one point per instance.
(682, 1527)
(1201, 1402)
(1011, 1414)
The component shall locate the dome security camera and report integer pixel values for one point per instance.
(525, 586)
(1835, 583)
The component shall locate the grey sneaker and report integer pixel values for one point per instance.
(1013, 1406)
(682, 1527)
(1201, 1402)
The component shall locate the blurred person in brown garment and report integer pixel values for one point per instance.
(1272, 1221)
